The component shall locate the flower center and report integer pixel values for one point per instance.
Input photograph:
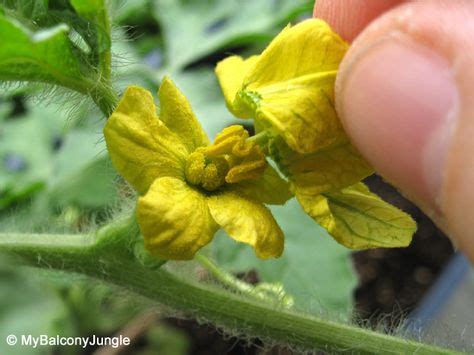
(230, 159)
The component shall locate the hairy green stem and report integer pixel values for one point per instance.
(270, 293)
(224, 277)
(108, 256)
(105, 58)
(104, 97)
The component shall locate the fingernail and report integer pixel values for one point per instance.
(399, 105)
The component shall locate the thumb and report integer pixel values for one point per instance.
(405, 94)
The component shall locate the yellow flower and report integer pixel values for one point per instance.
(188, 188)
(289, 91)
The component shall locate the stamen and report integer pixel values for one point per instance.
(232, 158)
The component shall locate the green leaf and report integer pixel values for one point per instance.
(359, 219)
(88, 21)
(26, 152)
(52, 303)
(127, 12)
(33, 10)
(88, 7)
(29, 305)
(313, 269)
(45, 56)
(95, 307)
(195, 29)
(82, 174)
(66, 168)
(95, 12)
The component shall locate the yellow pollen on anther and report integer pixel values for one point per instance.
(230, 159)
(195, 165)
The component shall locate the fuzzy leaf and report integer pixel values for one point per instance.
(45, 56)
(95, 11)
(88, 6)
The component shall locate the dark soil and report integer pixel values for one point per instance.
(393, 281)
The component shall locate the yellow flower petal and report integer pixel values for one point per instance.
(302, 112)
(269, 188)
(231, 73)
(249, 222)
(359, 219)
(174, 219)
(325, 170)
(290, 86)
(141, 147)
(177, 114)
(310, 47)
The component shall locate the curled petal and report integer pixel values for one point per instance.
(308, 48)
(248, 221)
(302, 112)
(359, 219)
(231, 73)
(226, 140)
(289, 88)
(174, 219)
(249, 169)
(270, 188)
(325, 170)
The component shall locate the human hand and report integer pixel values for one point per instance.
(405, 95)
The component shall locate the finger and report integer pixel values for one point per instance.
(350, 17)
(405, 94)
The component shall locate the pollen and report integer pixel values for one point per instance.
(195, 165)
(214, 175)
(232, 158)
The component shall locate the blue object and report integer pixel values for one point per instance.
(14, 163)
(439, 294)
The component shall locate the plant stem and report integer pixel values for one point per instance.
(259, 138)
(105, 98)
(270, 293)
(105, 58)
(101, 92)
(222, 276)
(107, 256)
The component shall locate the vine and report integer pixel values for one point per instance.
(108, 256)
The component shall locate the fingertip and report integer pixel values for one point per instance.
(398, 104)
(349, 17)
(404, 95)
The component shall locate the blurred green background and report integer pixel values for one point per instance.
(55, 176)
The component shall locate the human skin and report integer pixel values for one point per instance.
(405, 95)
